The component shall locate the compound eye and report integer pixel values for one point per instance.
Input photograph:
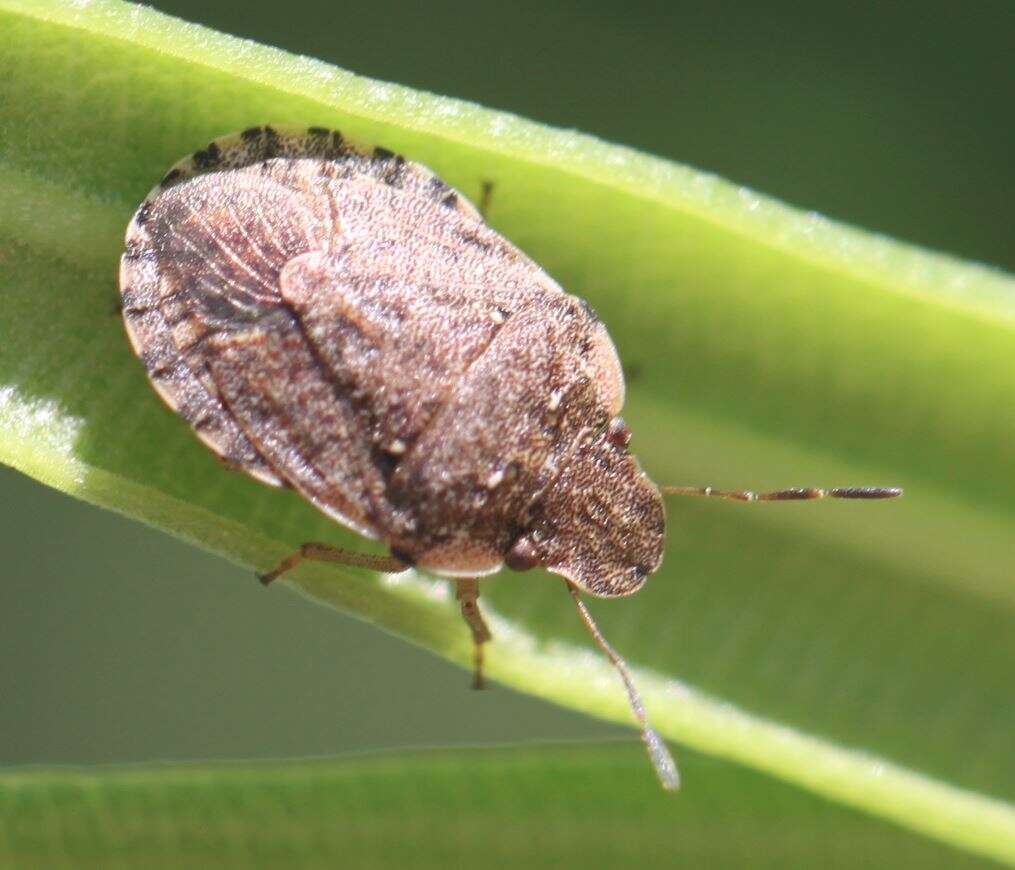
(522, 556)
(618, 433)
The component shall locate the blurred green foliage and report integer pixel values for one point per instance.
(579, 807)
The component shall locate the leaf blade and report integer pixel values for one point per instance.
(437, 809)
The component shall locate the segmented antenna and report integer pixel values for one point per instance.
(792, 494)
(659, 755)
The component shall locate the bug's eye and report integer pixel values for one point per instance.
(522, 556)
(618, 433)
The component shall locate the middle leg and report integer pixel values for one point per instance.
(467, 592)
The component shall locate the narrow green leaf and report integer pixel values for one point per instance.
(765, 347)
(578, 807)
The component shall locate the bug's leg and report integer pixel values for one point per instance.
(662, 761)
(484, 199)
(792, 494)
(467, 592)
(327, 553)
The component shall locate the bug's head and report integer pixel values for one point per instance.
(602, 526)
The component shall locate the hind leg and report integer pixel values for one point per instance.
(326, 553)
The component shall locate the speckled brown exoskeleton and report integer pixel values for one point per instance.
(339, 320)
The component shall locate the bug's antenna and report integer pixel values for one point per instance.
(793, 494)
(662, 761)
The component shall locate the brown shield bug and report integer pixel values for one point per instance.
(338, 320)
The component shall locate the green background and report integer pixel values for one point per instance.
(131, 646)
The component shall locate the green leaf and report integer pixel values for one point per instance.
(438, 810)
(764, 347)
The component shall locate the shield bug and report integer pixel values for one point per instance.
(338, 320)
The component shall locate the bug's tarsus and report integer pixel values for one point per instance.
(287, 564)
(791, 494)
(467, 593)
(659, 755)
(327, 553)
(485, 196)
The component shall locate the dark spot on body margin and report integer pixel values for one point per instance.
(330, 142)
(205, 422)
(470, 237)
(395, 176)
(132, 304)
(156, 364)
(271, 142)
(136, 251)
(250, 134)
(208, 158)
(403, 556)
(442, 192)
(170, 177)
(394, 173)
(438, 186)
